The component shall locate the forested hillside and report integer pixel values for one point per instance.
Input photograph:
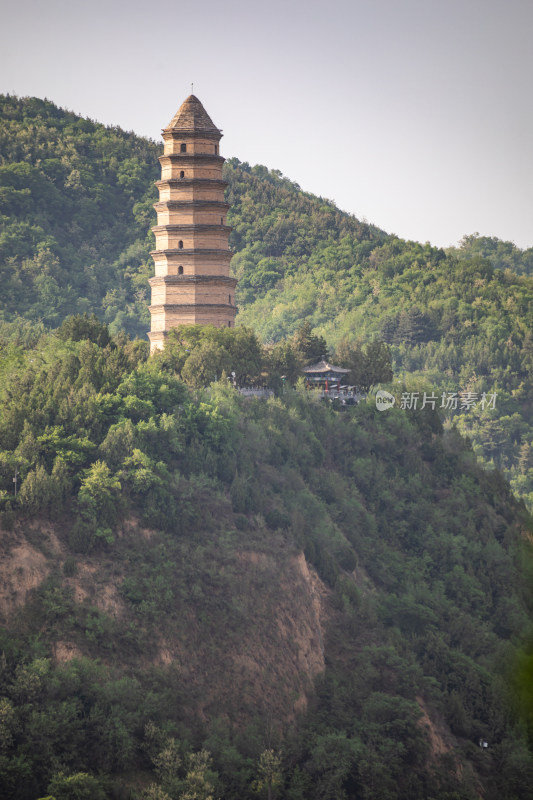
(455, 321)
(213, 596)
(206, 595)
(76, 210)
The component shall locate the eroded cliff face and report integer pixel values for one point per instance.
(244, 635)
(246, 627)
(34, 552)
(22, 568)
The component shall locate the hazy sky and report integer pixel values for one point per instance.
(416, 115)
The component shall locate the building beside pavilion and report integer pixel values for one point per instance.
(192, 284)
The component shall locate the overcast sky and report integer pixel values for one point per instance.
(416, 115)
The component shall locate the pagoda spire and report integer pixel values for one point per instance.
(192, 284)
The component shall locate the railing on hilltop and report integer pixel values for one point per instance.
(247, 392)
(344, 397)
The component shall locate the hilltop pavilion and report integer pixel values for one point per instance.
(324, 375)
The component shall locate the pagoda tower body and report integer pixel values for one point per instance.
(192, 284)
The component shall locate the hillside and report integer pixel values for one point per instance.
(328, 601)
(455, 321)
(212, 596)
(76, 208)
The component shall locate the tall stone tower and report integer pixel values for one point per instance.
(192, 282)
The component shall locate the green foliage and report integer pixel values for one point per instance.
(198, 784)
(457, 320)
(308, 347)
(269, 774)
(80, 786)
(502, 255)
(369, 364)
(195, 503)
(75, 216)
(38, 491)
(97, 499)
(202, 354)
(74, 227)
(206, 364)
(417, 546)
(78, 328)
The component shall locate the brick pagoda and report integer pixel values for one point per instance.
(192, 283)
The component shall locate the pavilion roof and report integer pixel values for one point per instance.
(324, 366)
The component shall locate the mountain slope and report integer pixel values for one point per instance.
(200, 570)
(186, 569)
(75, 208)
(76, 204)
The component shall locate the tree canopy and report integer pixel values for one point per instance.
(144, 499)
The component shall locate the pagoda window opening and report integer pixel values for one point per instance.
(221, 220)
(229, 324)
(216, 149)
(183, 147)
(180, 270)
(182, 174)
(180, 245)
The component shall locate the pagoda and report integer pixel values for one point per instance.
(192, 284)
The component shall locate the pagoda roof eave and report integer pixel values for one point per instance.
(192, 133)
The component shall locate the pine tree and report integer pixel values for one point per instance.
(525, 458)
(311, 348)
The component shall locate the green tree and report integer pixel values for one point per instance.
(80, 786)
(155, 792)
(310, 347)
(269, 774)
(525, 458)
(84, 326)
(206, 364)
(199, 779)
(413, 327)
(368, 364)
(38, 491)
(167, 762)
(283, 364)
(377, 366)
(350, 355)
(98, 498)
(8, 723)
(246, 353)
